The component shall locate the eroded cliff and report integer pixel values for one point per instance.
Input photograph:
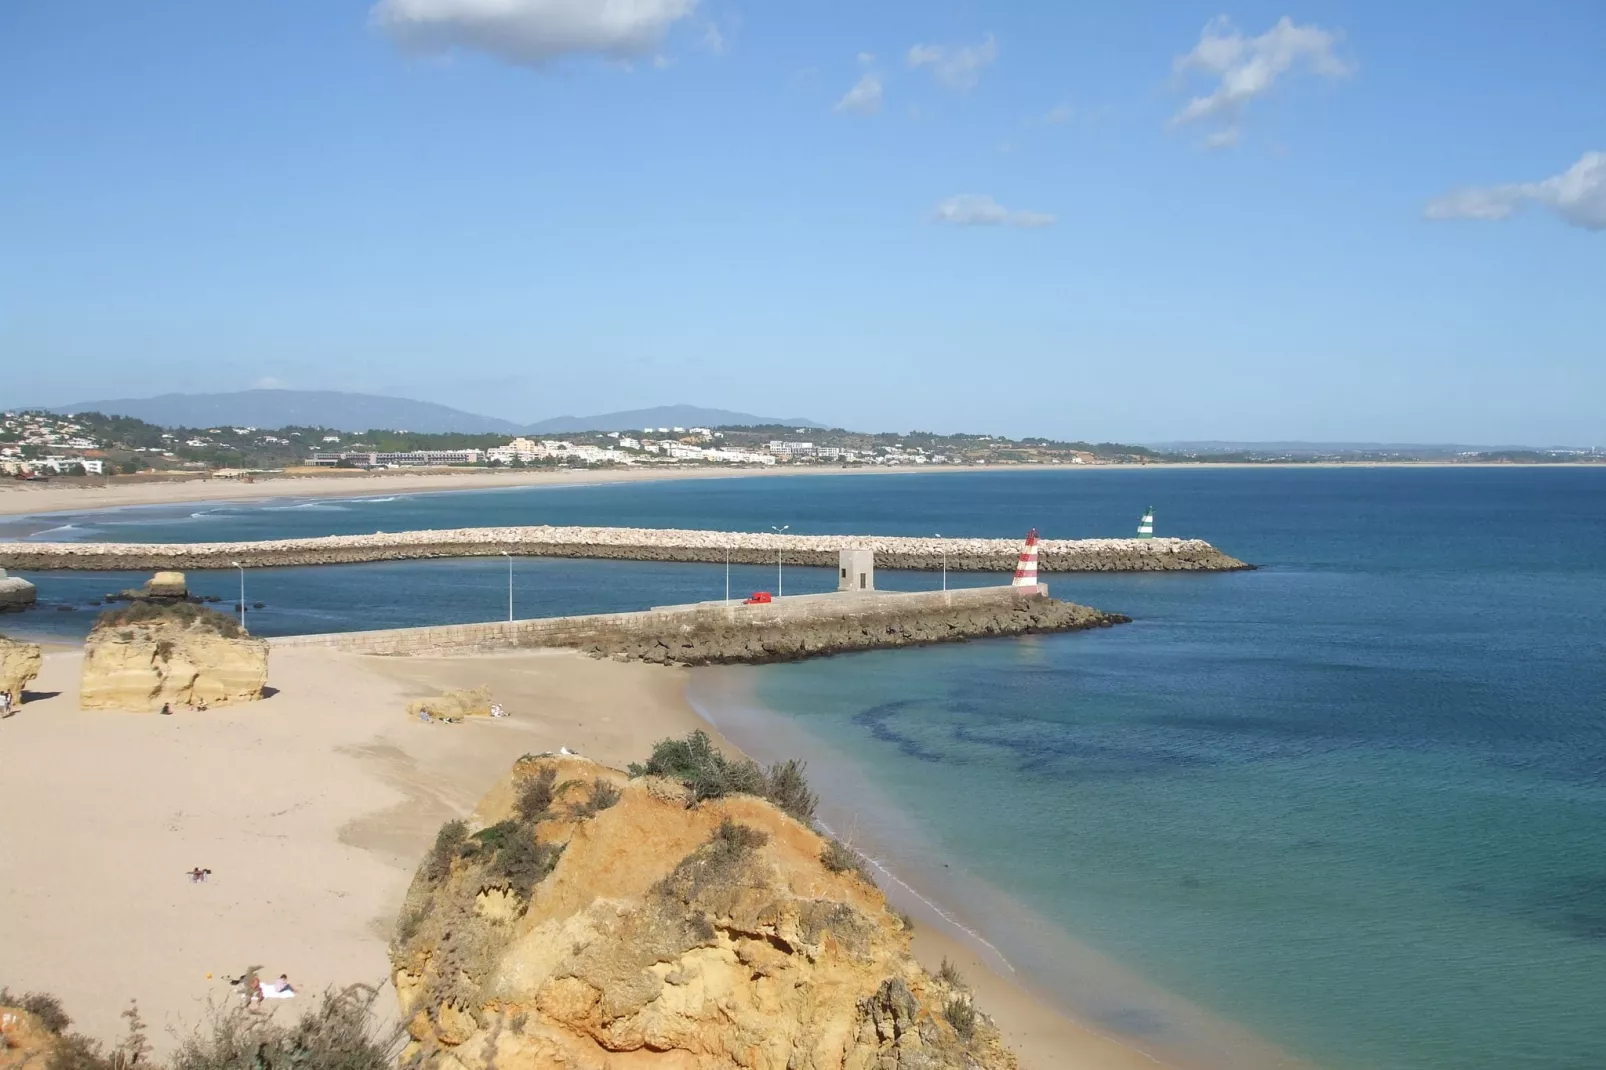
(19, 664)
(598, 922)
(147, 656)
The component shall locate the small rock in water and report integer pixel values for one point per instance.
(65, 609)
(256, 605)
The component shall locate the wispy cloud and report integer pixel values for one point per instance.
(980, 210)
(1060, 113)
(864, 98)
(1578, 195)
(1245, 68)
(531, 32)
(957, 68)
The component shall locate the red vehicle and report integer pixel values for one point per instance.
(759, 598)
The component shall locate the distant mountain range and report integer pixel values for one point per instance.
(363, 412)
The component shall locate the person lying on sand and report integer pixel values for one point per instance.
(199, 875)
(279, 989)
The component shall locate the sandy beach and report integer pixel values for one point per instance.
(311, 808)
(19, 498)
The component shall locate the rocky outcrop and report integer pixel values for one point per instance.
(469, 702)
(146, 656)
(19, 664)
(16, 592)
(711, 641)
(26, 1042)
(166, 586)
(597, 923)
(635, 544)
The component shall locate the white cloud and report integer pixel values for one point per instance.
(957, 68)
(268, 382)
(980, 210)
(864, 98)
(713, 40)
(1578, 195)
(531, 32)
(1060, 113)
(1248, 67)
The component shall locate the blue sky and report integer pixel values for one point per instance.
(1116, 220)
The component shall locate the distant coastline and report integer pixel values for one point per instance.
(58, 496)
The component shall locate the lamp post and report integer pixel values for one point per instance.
(727, 573)
(779, 531)
(944, 564)
(241, 567)
(509, 585)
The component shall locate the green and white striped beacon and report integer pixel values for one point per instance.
(1146, 525)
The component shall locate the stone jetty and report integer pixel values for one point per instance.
(630, 544)
(712, 633)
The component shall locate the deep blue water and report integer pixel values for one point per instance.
(1355, 801)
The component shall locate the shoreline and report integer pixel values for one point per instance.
(949, 903)
(19, 499)
(312, 808)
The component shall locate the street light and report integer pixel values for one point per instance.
(779, 531)
(241, 567)
(944, 564)
(509, 585)
(727, 573)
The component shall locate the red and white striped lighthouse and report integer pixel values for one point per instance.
(1026, 570)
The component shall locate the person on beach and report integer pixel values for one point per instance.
(497, 711)
(199, 875)
(5, 704)
(167, 709)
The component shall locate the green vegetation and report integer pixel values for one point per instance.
(341, 1031)
(47, 1007)
(961, 1014)
(715, 865)
(184, 614)
(604, 794)
(512, 855)
(448, 845)
(702, 768)
(949, 974)
(535, 796)
(838, 857)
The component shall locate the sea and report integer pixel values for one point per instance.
(1348, 809)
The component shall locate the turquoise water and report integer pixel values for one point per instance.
(1355, 801)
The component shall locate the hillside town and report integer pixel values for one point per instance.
(42, 445)
(38, 445)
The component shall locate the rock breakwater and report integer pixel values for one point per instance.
(712, 642)
(630, 544)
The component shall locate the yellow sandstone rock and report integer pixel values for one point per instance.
(145, 656)
(618, 928)
(19, 664)
(474, 702)
(25, 1042)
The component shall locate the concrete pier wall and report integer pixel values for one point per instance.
(613, 631)
(630, 544)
